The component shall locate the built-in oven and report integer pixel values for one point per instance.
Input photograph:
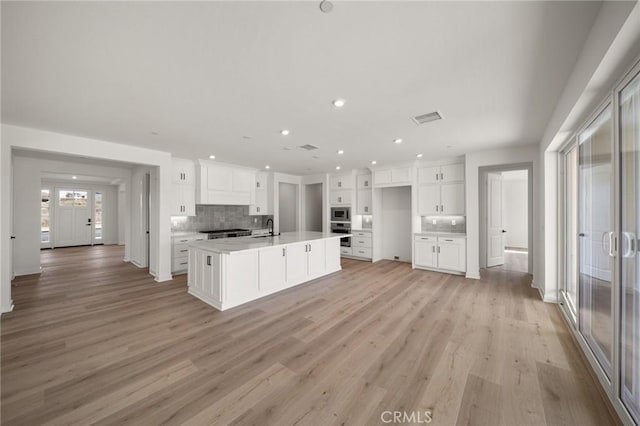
(342, 228)
(340, 214)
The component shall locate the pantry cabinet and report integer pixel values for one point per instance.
(183, 190)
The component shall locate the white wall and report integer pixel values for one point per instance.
(45, 141)
(515, 208)
(475, 160)
(288, 207)
(396, 220)
(313, 207)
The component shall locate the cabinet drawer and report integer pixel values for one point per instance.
(346, 251)
(361, 234)
(180, 250)
(362, 252)
(452, 240)
(179, 264)
(425, 238)
(361, 242)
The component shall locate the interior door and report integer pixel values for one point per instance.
(73, 218)
(597, 237)
(495, 232)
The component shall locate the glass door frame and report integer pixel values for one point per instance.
(571, 309)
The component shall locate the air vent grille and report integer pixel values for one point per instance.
(308, 147)
(426, 118)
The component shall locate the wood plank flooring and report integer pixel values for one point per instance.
(94, 340)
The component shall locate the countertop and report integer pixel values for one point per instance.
(230, 245)
(186, 234)
(442, 234)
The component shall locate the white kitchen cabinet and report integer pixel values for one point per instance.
(428, 175)
(180, 251)
(452, 198)
(205, 274)
(241, 281)
(441, 199)
(296, 270)
(340, 198)
(451, 254)
(426, 252)
(272, 266)
(364, 201)
(392, 177)
(262, 195)
(316, 258)
(332, 254)
(363, 181)
(222, 184)
(440, 253)
(452, 173)
(361, 244)
(184, 171)
(429, 199)
(341, 182)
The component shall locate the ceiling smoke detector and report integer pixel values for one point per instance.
(326, 6)
(426, 118)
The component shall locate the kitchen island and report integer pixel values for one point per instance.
(232, 271)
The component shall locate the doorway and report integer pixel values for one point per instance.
(506, 228)
(313, 207)
(396, 220)
(287, 207)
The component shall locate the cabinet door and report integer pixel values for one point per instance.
(451, 256)
(242, 276)
(210, 267)
(364, 201)
(242, 180)
(429, 199)
(428, 175)
(259, 206)
(177, 171)
(332, 250)
(381, 177)
(261, 181)
(452, 173)
(272, 264)
(218, 179)
(425, 253)
(296, 263)
(317, 258)
(452, 198)
(189, 200)
(340, 197)
(363, 181)
(176, 200)
(401, 175)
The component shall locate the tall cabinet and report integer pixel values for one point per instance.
(183, 200)
(441, 190)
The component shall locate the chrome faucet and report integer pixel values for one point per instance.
(270, 229)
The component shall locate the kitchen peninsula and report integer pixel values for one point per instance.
(229, 272)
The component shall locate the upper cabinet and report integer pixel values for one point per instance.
(342, 182)
(262, 195)
(439, 174)
(364, 194)
(441, 190)
(183, 201)
(222, 184)
(364, 181)
(397, 176)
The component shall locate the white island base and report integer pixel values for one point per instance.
(229, 272)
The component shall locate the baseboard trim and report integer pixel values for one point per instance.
(22, 273)
(5, 309)
(549, 299)
(163, 279)
(473, 275)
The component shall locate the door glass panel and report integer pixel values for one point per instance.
(70, 198)
(595, 225)
(629, 253)
(44, 216)
(97, 196)
(571, 224)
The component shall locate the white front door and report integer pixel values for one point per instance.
(73, 217)
(495, 233)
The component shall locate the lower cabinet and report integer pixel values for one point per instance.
(272, 266)
(442, 253)
(296, 262)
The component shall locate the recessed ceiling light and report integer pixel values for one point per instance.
(154, 133)
(74, 177)
(397, 141)
(374, 162)
(212, 157)
(267, 167)
(284, 132)
(340, 151)
(337, 167)
(419, 155)
(339, 103)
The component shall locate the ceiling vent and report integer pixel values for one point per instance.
(308, 147)
(426, 118)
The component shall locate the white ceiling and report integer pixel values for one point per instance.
(204, 74)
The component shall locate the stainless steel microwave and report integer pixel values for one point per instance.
(341, 214)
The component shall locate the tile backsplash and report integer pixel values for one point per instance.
(218, 217)
(444, 224)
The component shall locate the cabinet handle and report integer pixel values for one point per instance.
(438, 249)
(184, 263)
(306, 248)
(208, 260)
(258, 209)
(184, 241)
(339, 199)
(309, 248)
(366, 183)
(366, 209)
(183, 251)
(449, 240)
(436, 207)
(257, 184)
(284, 252)
(441, 208)
(436, 176)
(339, 184)
(441, 176)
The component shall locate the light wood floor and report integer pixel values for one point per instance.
(95, 340)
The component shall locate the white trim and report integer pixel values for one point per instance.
(7, 308)
(473, 275)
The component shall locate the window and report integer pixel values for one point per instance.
(97, 197)
(45, 236)
(69, 198)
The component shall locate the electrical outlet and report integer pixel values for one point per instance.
(434, 222)
(396, 257)
(453, 222)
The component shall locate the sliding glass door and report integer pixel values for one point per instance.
(629, 113)
(596, 237)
